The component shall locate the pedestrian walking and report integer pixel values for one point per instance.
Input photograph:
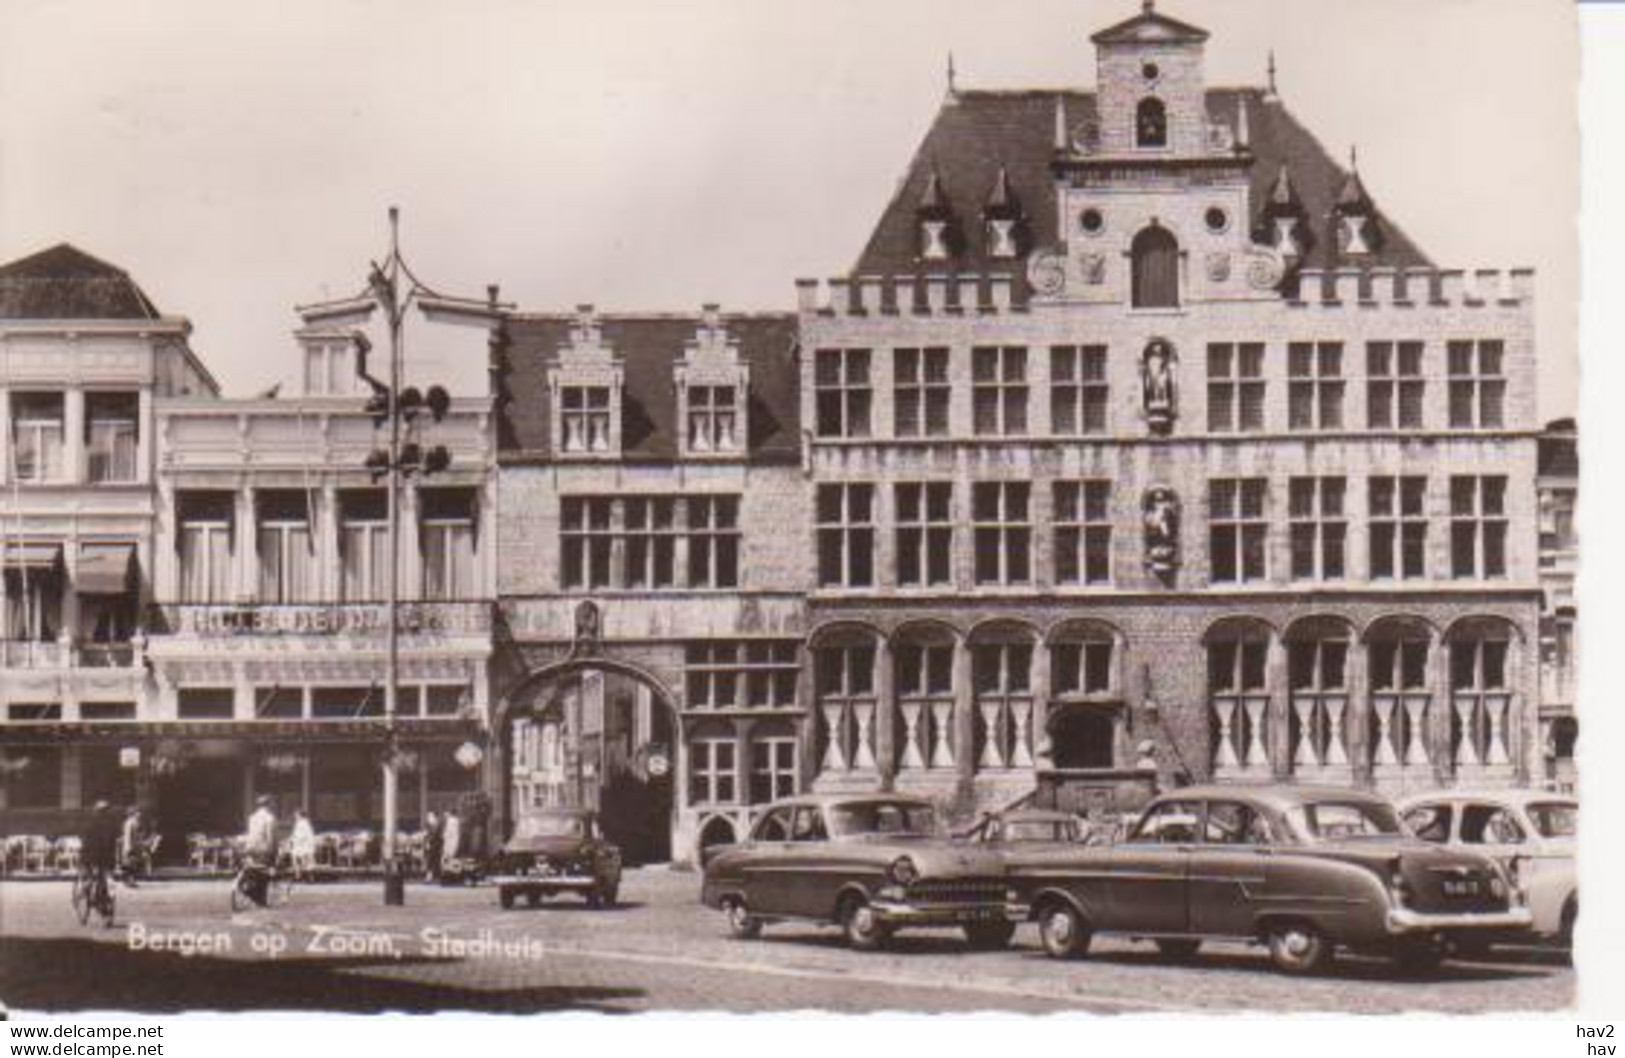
(302, 844)
(432, 844)
(451, 835)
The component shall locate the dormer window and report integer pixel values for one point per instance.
(330, 366)
(712, 384)
(586, 383)
(584, 415)
(1151, 123)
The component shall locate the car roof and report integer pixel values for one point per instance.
(825, 800)
(1034, 815)
(1276, 795)
(1509, 795)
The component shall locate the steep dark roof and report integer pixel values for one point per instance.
(65, 283)
(651, 346)
(975, 133)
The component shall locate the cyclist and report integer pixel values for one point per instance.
(259, 850)
(98, 850)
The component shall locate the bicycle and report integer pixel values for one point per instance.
(275, 887)
(92, 894)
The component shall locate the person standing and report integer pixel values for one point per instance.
(259, 849)
(132, 848)
(450, 843)
(302, 843)
(432, 844)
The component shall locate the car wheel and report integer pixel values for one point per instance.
(1299, 948)
(505, 897)
(742, 925)
(864, 929)
(1571, 914)
(1178, 948)
(989, 936)
(1419, 955)
(1063, 932)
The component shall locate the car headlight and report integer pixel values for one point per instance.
(902, 871)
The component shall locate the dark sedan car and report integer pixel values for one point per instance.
(870, 863)
(560, 850)
(1303, 870)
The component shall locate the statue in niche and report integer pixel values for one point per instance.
(1161, 522)
(1159, 391)
(587, 630)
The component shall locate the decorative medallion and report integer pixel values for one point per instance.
(1094, 268)
(1046, 271)
(1218, 267)
(1265, 268)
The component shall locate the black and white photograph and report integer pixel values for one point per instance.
(1051, 507)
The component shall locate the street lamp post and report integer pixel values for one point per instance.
(392, 287)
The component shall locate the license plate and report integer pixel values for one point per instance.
(1460, 887)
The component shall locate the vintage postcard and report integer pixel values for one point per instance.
(924, 506)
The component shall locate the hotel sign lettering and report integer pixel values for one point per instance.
(323, 620)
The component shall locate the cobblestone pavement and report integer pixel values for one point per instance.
(341, 949)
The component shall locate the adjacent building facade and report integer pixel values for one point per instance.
(1139, 447)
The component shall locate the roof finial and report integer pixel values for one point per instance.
(1243, 134)
(952, 86)
(1354, 158)
(1272, 73)
(1148, 7)
(1061, 138)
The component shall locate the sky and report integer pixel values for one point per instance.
(239, 159)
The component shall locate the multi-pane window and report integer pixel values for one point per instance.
(1477, 384)
(587, 541)
(111, 432)
(206, 532)
(1238, 692)
(925, 533)
(925, 703)
(754, 674)
(651, 542)
(999, 390)
(1481, 697)
(1394, 386)
(921, 392)
(842, 392)
(1315, 385)
(1317, 673)
(363, 545)
(772, 768)
(1400, 699)
(1083, 532)
(447, 540)
(1237, 528)
(713, 541)
(846, 535)
(37, 436)
(1001, 676)
(1078, 389)
(1397, 517)
(1478, 526)
(713, 774)
(1235, 387)
(1319, 528)
(1083, 667)
(1003, 524)
(844, 682)
(330, 369)
(287, 551)
(713, 419)
(584, 419)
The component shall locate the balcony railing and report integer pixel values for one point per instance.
(322, 619)
(60, 654)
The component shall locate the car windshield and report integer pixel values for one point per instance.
(1336, 820)
(882, 817)
(1039, 830)
(1555, 819)
(551, 826)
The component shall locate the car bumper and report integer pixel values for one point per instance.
(895, 913)
(544, 881)
(1403, 920)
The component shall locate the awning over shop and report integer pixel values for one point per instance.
(106, 570)
(33, 557)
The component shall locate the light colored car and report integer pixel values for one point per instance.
(1531, 832)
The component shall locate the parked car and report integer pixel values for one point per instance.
(1303, 870)
(1531, 833)
(560, 850)
(1024, 826)
(871, 864)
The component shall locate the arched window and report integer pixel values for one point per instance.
(1001, 675)
(1317, 653)
(1155, 256)
(1239, 696)
(1151, 123)
(924, 657)
(845, 688)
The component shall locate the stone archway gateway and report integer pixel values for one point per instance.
(592, 733)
